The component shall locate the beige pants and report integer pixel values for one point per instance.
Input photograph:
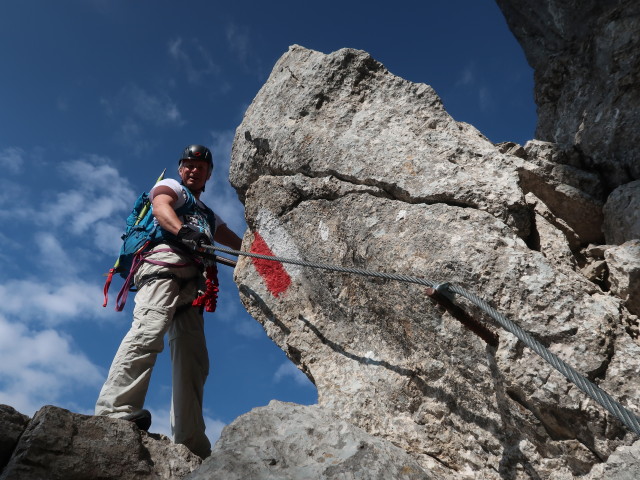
(157, 312)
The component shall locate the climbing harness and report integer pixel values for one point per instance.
(140, 258)
(444, 294)
(207, 300)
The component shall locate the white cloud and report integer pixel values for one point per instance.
(40, 367)
(90, 204)
(106, 237)
(468, 80)
(53, 256)
(193, 58)
(485, 101)
(9, 191)
(157, 110)
(130, 133)
(214, 428)
(160, 420)
(47, 302)
(229, 309)
(238, 39)
(12, 159)
(467, 77)
(135, 102)
(289, 371)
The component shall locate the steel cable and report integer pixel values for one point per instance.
(629, 419)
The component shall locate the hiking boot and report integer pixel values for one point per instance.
(142, 419)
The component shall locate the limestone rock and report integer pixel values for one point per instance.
(623, 464)
(288, 441)
(586, 61)
(622, 214)
(623, 263)
(345, 115)
(12, 424)
(338, 161)
(552, 234)
(572, 195)
(58, 444)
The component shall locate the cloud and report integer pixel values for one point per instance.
(40, 367)
(485, 100)
(9, 191)
(230, 311)
(157, 110)
(107, 237)
(194, 60)
(134, 108)
(160, 422)
(12, 159)
(53, 256)
(44, 263)
(214, 428)
(81, 209)
(51, 303)
(467, 77)
(238, 39)
(289, 371)
(469, 80)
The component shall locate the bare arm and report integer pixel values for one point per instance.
(163, 209)
(226, 236)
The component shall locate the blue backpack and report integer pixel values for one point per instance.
(140, 229)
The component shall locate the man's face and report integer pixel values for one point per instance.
(194, 174)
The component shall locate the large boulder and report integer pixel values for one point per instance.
(288, 441)
(60, 445)
(339, 161)
(345, 115)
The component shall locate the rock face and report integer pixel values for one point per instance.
(57, 444)
(339, 161)
(284, 441)
(587, 70)
(12, 424)
(622, 212)
(624, 273)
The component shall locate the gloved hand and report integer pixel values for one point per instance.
(194, 237)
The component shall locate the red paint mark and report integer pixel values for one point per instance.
(273, 273)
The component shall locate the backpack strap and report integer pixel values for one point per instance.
(107, 284)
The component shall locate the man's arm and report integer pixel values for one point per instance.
(162, 202)
(226, 236)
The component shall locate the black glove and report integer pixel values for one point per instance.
(191, 236)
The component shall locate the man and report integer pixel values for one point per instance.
(168, 281)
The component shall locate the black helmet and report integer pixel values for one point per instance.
(197, 152)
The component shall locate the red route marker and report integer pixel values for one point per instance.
(275, 276)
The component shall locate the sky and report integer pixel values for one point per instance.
(97, 97)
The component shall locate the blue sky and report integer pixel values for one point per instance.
(97, 97)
